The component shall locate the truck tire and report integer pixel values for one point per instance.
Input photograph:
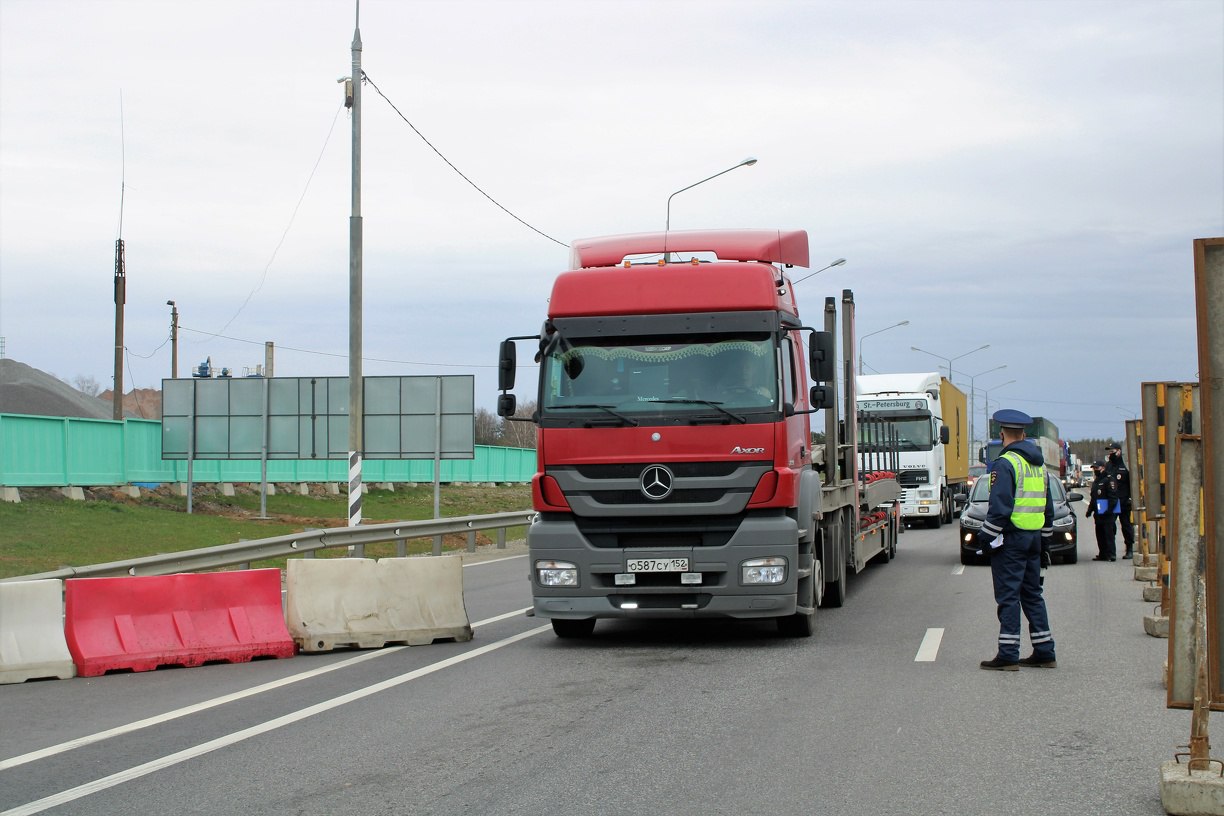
(565, 628)
(801, 624)
(835, 566)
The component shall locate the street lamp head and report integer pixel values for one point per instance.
(838, 262)
(747, 162)
(169, 302)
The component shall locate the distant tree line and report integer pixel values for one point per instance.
(1089, 450)
(494, 430)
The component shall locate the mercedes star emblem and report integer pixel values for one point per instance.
(657, 482)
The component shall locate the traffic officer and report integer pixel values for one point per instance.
(1019, 517)
(1101, 504)
(1119, 477)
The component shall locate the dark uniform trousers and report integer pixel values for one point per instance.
(1016, 570)
(1106, 534)
(1128, 529)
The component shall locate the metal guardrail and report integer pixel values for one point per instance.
(305, 543)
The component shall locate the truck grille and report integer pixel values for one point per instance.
(704, 489)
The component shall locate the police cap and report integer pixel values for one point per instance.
(1113, 446)
(1098, 463)
(1010, 418)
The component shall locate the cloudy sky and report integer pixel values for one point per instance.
(1028, 175)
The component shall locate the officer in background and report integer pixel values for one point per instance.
(1019, 517)
(1101, 504)
(1119, 477)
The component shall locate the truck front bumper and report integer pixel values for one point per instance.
(719, 592)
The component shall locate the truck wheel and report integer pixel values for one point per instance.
(565, 628)
(835, 590)
(801, 624)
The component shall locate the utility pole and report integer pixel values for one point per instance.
(268, 355)
(120, 299)
(173, 339)
(356, 409)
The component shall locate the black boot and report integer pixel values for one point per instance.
(999, 664)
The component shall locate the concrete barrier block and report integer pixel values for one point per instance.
(1184, 792)
(1145, 574)
(362, 603)
(227, 488)
(1156, 625)
(73, 492)
(1151, 594)
(32, 644)
(130, 490)
(180, 488)
(271, 491)
(10, 494)
(303, 489)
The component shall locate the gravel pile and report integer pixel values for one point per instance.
(26, 390)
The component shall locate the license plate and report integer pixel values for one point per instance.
(657, 565)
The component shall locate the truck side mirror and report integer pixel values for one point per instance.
(821, 396)
(820, 357)
(506, 405)
(945, 436)
(506, 365)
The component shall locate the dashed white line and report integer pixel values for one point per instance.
(929, 647)
(959, 569)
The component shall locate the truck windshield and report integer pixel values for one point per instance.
(913, 433)
(730, 378)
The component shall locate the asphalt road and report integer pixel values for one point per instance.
(883, 711)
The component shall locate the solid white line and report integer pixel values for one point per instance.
(147, 768)
(929, 647)
(494, 560)
(959, 569)
(195, 708)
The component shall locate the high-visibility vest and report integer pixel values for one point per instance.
(1028, 513)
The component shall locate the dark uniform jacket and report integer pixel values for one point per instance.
(1119, 477)
(1003, 493)
(1102, 488)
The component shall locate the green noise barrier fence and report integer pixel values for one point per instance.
(39, 451)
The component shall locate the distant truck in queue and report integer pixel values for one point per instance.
(1043, 434)
(929, 412)
(676, 476)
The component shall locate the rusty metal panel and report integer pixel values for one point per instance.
(1134, 460)
(1187, 560)
(1209, 315)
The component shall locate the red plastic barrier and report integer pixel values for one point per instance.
(188, 619)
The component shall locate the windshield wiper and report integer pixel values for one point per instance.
(608, 408)
(715, 405)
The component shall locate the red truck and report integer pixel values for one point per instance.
(676, 475)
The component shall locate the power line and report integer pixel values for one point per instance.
(476, 187)
(292, 218)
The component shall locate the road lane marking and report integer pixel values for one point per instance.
(81, 791)
(495, 560)
(195, 708)
(959, 569)
(929, 647)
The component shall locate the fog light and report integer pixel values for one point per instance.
(556, 574)
(763, 571)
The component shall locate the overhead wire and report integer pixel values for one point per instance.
(452, 166)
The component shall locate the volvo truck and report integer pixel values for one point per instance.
(677, 472)
(929, 412)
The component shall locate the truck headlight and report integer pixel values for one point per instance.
(763, 571)
(556, 574)
(926, 494)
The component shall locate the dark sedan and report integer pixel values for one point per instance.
(974, 514)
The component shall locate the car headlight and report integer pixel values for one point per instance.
(971, 522)
(763, 571)
(1066, 521)
(556, 574)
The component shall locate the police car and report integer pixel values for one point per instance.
(1065, 541)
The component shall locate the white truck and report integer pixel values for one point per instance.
(929, 414)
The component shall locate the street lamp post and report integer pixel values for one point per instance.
(973, 399)
(987, 391)
(868, 334)
(949, 360)
(667, 222)
(838, 262)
